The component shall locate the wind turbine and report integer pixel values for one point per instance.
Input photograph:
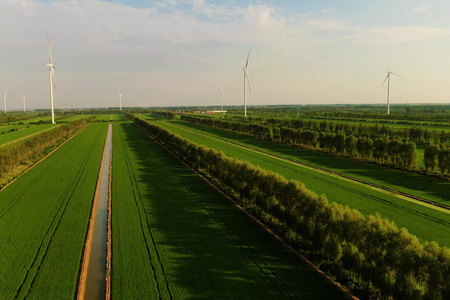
(24, 103)
(388, 78)
(4, 98)
(221, 94)
(120, 99)
(246, 79)
(51, 71)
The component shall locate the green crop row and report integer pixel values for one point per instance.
(175, 236)
(44, 217)
(391, 262)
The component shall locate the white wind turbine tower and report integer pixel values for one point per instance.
(221, 94)
(51, 71)
(388, 78)
(246, 79)
(4, 98)
(24, 103)
(120, 99)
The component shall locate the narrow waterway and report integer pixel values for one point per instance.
(95, 280)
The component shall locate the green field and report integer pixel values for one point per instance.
(423, 186)
(44, 217)
(42, 119)
(74, 118)
(111, 117)
(7, 138)
(426, 223)
(176, 237)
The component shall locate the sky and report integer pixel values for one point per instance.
(181, 52)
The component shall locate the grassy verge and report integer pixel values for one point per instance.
(187, 240)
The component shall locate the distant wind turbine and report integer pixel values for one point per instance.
(51, 71)
(388, 78)
(221, 94)
(4, 98)
(24, 103)
(246, 80)
(120, 99)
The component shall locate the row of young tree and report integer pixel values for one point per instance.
(437, 156)
(418, 135)
(15, 158)
(381, 150)
(370, 255)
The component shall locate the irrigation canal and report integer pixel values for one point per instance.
(95, 281)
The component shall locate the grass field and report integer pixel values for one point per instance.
(176, 237)
(46, 119)
(426, 223)
(111, 117)
(44, 217)
(75, 117)
(11, 137)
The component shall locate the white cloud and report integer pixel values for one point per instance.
(392, 36)
(420, 9)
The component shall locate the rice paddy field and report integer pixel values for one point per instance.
(427, 223)
(175, 237)
(43, 220)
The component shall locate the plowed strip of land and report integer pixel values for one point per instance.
(174, 236)
(44, 220)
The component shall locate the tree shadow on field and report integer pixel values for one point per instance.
(410, 182)
(209, 248)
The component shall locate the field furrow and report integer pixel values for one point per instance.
(206, 247)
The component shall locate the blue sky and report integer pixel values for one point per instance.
(180, 52)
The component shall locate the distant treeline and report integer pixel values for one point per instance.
(396, 147)
(370, 255)
(433, 113)
(15, 158)
(382, 150)
(414, 134)
(164, 114)
(7, 118)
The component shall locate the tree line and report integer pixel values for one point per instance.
(437, 156)
(368, 254)
(418, 135)
(15, 158)
(381, 150)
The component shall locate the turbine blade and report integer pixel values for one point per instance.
(398, 75)
(49, 52)
(248, 55)
(385, 79)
